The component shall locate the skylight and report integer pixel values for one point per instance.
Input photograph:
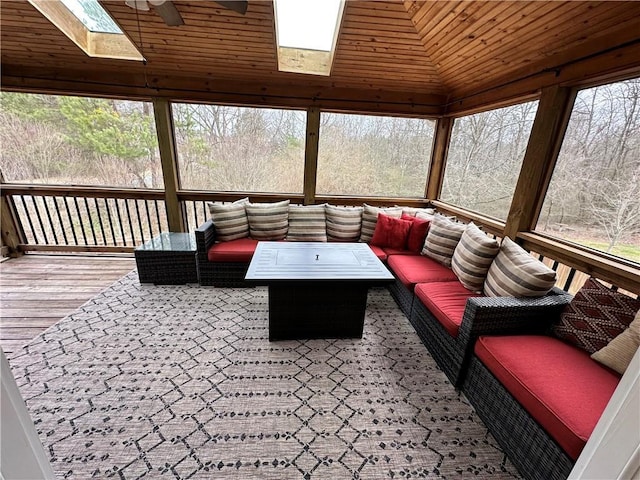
(92, 15)
(90, 27)
(306, 33)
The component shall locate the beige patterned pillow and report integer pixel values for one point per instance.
(442, 239)
(230, 220)
(343, 223)
(370, 219)
(515, 273)
(307, 223)
(617, 355)
(413, 211)
(473, 257)
(268, 221)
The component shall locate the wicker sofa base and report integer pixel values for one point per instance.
(223, 274)
(441, 345)
(402, 295)
(536, 455)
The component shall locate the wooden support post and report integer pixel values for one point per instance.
(168, 156)
(311, 155)
(12, 231)
(441, 140)
(540, 158)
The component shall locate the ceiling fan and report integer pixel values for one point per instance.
(169, 13)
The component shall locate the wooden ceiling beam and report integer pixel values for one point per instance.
(124, 85)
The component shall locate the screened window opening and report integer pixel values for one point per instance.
(594, 195)
(485, 157)
(239, 149)
(366, 155)
(65, 140)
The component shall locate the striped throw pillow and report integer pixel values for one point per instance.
(370, 219)
(230, 220)
(307, 223)
(515, 273)
(268, 221)
(473, 256)
(343, 223)
(442, 239)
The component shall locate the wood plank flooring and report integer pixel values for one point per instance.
(37, 290)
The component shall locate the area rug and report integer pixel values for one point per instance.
(182, 382)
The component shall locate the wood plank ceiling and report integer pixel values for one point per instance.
(413, 54)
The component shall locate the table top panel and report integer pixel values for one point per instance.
(274, 261)
(170, 242)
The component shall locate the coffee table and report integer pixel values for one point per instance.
(316, 290)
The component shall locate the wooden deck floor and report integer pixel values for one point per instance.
(38, 290)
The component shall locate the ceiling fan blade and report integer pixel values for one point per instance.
(169, 14)
(239, 6)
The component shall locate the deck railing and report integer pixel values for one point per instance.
(72, 218)
(86, 219)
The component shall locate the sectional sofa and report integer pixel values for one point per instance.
(485, 312)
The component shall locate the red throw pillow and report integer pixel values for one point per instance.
(391, 232)
(595, 316)
(418, 232)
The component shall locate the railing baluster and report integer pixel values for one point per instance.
(84, 234)
(64, 231)
(195, 214)
(133, 236)
(93, 231)
(205, 210)
(44, 233)
(158, 215)
(124, 238)
(104, 237)
(26, 211)
(53, 227)
(146, 207)
(139, 220)
(569, 281)
(71, 222)
(113, 233)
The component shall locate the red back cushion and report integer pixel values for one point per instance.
(595, 316)
(391, 232)
(418, 232)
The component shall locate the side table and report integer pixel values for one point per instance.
(168, 259)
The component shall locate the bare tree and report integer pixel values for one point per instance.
(616, 207)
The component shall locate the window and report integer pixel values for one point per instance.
(240, 149)
(485, 157)
(78, 140)
(87, 24)
(366, 155)
(92, 15)
(594, 194)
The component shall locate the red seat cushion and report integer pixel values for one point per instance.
(240, 250)
(412, 269)
(446, 301)
(379, 252)
(558, 384)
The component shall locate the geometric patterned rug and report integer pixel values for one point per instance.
(148, 381)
